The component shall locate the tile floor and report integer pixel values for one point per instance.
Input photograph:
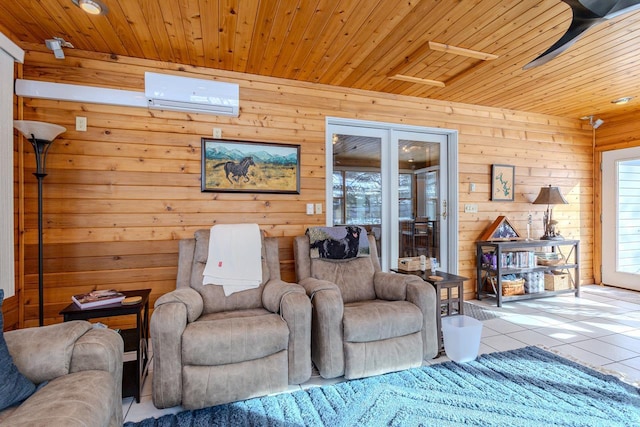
(600, 329)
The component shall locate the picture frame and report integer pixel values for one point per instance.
(250, 167)
(502, 183)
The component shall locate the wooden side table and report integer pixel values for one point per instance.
(449, 304)
(134, 372)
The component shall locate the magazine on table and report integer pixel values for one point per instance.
(97, 298)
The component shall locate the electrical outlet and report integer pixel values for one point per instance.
(309, 208)
(318, 208)
(81, 124)
(470, 208)
(217, 133)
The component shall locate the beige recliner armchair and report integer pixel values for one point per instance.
(210, 349)
(79, 373)
(365, 322)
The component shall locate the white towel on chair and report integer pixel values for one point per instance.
(234, 259)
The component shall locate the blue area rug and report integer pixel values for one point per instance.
(524, 387)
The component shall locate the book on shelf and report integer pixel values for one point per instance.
(97, 298)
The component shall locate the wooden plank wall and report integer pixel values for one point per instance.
(119, 196)
(616, 133)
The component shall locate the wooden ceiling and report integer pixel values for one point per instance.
(469, 51)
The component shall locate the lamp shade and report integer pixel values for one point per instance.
(38, 130)
(550, 196)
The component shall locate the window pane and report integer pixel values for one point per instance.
(337, 184)
(404, 186)
(364, 197)
(337, 211)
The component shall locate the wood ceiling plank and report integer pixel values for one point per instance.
(152, 12)
(487, 21)
(457, 50)
(120, 31)
(247, 16)
(228, 16)
(303, 18)
(288, 10)
(340, 24)
(346, 56)
(190, 13)
(315, 29)
(432, 15)
(209, 27)
(174, 23)
(21, 23)
(261, 34)
(139, 28)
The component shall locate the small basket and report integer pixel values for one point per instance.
(411, 263)
(512, 287)
(556, 282)
(509, 287)
(549, 258)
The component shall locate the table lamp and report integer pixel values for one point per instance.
(550, 196)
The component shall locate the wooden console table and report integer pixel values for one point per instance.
(134, 372)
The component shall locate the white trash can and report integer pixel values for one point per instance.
(461, 335)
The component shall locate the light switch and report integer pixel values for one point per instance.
(318, 208)
(309, 208)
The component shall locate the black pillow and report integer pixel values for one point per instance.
(14, 387)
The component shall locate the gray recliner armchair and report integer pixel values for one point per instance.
(365, 321)
(210, 349)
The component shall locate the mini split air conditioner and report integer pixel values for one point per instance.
(167, 92)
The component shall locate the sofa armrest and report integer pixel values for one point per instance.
(44, 353)
(101, 349)
(172, 312)
(326, 323)
(190, 298)
(275, 290)
(424, 296)
(291, 301)
(392, 286)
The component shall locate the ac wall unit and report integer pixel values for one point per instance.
(167, 92)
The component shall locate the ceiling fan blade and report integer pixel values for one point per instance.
(582, 20)
(586, 14)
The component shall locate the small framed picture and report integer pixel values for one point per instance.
(502, 183)
(250, 167)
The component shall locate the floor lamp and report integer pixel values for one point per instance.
(40, 135)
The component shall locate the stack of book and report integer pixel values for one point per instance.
(97, 298)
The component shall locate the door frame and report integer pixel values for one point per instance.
(389, 128)
(608, 242)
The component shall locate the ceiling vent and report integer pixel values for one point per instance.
(168, 92)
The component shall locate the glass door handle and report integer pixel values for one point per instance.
(444, 209)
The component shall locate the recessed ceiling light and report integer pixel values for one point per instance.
(621, 101)
(92, 7)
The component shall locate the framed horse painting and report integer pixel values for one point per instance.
(250, 167)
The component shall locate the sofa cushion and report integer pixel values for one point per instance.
(80, 399)
(233, 339)
(380, 320)
(14, 387)
(354, 277)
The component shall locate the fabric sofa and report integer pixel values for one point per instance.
(78, 371)
(210, 349)
(365, 321)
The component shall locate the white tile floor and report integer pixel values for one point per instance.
(600, 329)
